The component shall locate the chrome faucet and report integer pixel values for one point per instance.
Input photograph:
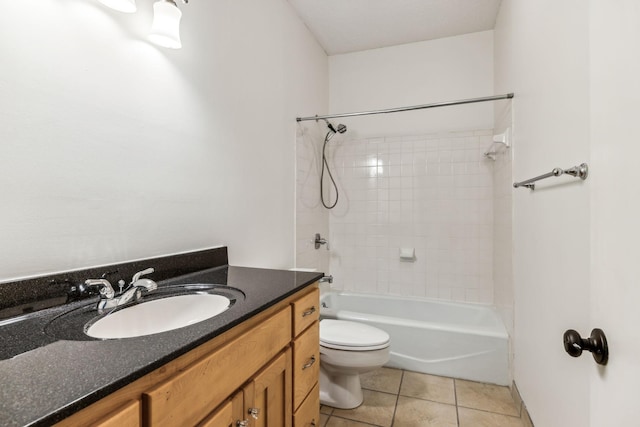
(133, 291)
(328, 278)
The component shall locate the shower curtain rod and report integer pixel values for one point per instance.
(414, 107)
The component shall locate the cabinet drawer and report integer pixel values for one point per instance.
(189, 396)
(308, 415)
(306, 310)
(306, 363)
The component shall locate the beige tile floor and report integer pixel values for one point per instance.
(398, 398)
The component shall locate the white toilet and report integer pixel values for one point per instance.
(348, 349)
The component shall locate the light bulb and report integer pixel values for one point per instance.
(127, 6)
(165, 30)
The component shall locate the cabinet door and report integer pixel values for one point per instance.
(187, 397)
(268, 396)
(126, 416)
(228, 414)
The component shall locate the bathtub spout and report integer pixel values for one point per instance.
(328, 279)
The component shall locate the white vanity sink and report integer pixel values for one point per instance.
(159, 315)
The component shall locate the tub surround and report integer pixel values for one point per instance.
(46, 379)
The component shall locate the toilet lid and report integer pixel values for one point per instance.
(353, 336)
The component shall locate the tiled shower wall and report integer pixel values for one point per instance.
(433, 193)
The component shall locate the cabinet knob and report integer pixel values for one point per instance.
(242, 423)
(254, 412)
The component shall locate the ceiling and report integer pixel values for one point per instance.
(343, 26)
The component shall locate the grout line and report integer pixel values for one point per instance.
(455, 397)
(429, 400)
(330, 407)
(379, 391)
(395, 408)
(490, 412)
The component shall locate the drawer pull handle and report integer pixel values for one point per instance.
(309, 312)
(309, 363)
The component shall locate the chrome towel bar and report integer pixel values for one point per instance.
(581, 172)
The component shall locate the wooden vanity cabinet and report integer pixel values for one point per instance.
(266, 366)
(187, 397)
(263, 402)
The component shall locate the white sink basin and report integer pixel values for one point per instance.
(159, 315)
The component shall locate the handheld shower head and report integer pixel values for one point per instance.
(341, 128)
(325, 165)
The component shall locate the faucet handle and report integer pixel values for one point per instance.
(142, 273)
(320, 241)
(104, 287)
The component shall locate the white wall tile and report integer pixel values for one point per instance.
(447, 215)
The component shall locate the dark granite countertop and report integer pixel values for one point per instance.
(51, 378)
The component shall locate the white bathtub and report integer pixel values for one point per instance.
(457, 340)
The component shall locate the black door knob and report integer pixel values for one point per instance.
(574, 344)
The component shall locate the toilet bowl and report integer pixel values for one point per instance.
(348, 349)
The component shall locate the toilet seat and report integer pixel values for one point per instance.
(351, 336)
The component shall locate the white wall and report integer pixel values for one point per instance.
(541, 54)
(446, 69)
(615, 95)
(114, 149)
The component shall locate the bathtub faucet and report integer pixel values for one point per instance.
(320, 241)
(328, 278)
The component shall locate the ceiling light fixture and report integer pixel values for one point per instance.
(165, 30)
(126, 6)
